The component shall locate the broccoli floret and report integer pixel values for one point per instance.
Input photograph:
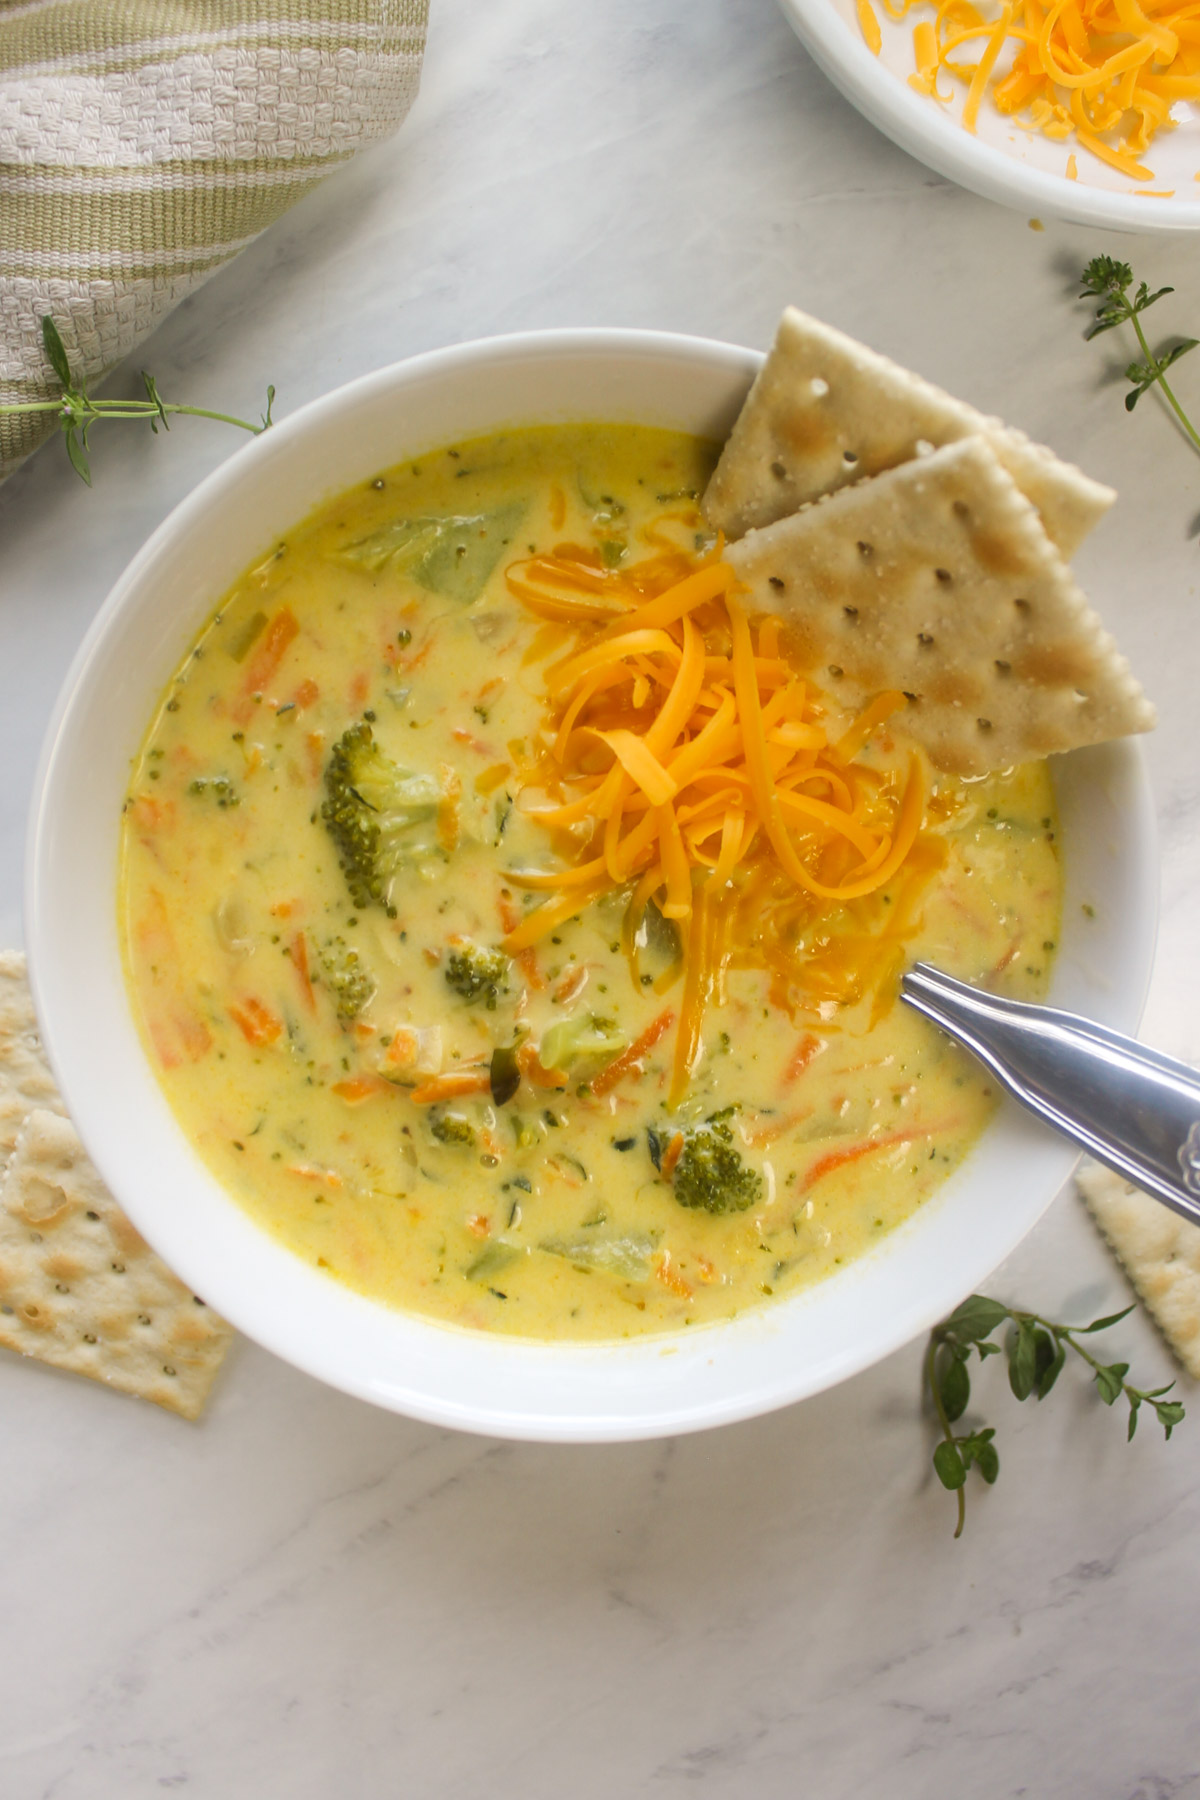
(475, 973)
(710, 1174)
(452, 1128)
(219, 786)
(580, 1039)
(348, 980)
(373, 813)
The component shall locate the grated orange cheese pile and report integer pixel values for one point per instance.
(684, 757)
(1106, 71)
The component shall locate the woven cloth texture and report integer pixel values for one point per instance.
(145, 142)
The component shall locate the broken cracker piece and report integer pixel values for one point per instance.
(25, 1078)
(82, 1290)
(937, 578)
(1159, 1251)
(825, 412)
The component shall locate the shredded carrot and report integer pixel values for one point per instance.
(571, 985)
(758, 1133)
(150, 813)
(311, 1172)
(806, 1052)
(269, 651)
(361, 1087)
(671, 1155)
(306, 695)
(666, 1272)
(535, 1072)
(452, 1086)
(510, 918)
(632, 1059)
(838, 1159)
(299, 948)
(1105, 71)
(256, 1022)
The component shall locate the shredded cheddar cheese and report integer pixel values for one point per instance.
(1106, 72)
(684, 758)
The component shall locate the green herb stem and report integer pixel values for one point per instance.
(939, 1408)
(1160, 377)
(129, 409)
(77, 412)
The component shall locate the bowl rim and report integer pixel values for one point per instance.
(936, 139)
(679, 1365)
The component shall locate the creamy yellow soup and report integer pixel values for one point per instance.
(321, 1045)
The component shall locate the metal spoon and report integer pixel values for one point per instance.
(1131, 1108)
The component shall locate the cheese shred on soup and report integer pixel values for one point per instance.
(515, 929)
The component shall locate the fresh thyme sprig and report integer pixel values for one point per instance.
(77, 412)
(1036, 1349)
(1109, 282)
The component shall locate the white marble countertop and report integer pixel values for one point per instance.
(305, 1597)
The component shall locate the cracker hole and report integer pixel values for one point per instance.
(984, 724)
(776, 582)
(91, 1214)
(866, 551)
(925, 639)
(144, 1319)
(31, 1311)
(960, 509)
(118, 1268)
(7, 1310)
(89, 1337)
(43, 1199)
(849, 457)
(835, 671)
(1023, 606)
(779, 471)
(1081, 697)
(913, 699)
(943, 575)
(1001, 667)
(851, 612)
(167, 1369)
(60, 1287)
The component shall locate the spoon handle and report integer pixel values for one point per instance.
(1131, 1108)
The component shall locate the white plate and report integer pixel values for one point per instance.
(1000, 161)
(648, 1387)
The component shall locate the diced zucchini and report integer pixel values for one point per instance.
(451, 556)
(627, 1257)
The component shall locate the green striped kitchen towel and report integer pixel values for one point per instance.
(145, 142)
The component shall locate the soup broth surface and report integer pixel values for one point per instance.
(297, 1031)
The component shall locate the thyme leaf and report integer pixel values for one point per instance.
(1112, 284)
(1036, 1352)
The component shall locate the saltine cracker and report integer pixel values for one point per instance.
(25, 1078)
(826, 411)
(1159, 1251)
(80, 1289)
(938, 579)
